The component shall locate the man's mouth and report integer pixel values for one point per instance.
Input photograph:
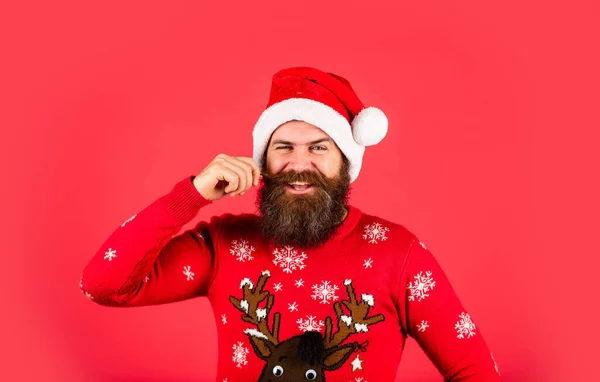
(299, 187)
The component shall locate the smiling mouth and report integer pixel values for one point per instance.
(299, 186)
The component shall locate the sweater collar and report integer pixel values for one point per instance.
(347, 226)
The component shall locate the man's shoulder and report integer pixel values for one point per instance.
(391, 228)
(236, 221)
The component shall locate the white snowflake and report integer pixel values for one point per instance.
(422, 284)
(110, 254)
(128, 220)
(325, 292)
(188, 272)
(310, 324)
(293, 307)
(359, 379)
(88, 295)
(299, 283)
(277, 287)
(289, 259)
(465, 327)
(423, 325)
(200, 236)
(242, 250)
(223, 318)
(147, 278)
(375, 232)
(368, 263)
(239, 354)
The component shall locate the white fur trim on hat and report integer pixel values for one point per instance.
(370, 126)
(315, 113)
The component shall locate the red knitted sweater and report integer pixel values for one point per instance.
(364, 292)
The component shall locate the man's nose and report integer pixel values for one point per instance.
(300, 161)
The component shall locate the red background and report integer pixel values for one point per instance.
(490, 159)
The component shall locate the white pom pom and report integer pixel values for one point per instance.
(370, 126)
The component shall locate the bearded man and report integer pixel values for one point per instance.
(310, 287)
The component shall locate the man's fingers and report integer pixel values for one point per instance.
(255, 169)
(229, 176)
(241, 180)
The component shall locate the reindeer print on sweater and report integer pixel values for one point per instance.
(305, 356)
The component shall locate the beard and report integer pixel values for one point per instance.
(304, 220)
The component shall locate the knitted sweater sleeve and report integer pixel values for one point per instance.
(143, 263)
(434, 316)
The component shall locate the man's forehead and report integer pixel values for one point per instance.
(299, 132)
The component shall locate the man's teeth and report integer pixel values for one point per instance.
(299, 185)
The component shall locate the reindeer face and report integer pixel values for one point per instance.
(300, 358)
(307, 356)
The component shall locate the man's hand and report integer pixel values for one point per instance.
(227, 175)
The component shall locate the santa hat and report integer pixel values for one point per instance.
(326, 101)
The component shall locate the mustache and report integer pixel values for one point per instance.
(313, 178)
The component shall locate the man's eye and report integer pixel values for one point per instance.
(282, 147)
(319, 148)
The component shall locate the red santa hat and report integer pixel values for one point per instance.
(327, 101)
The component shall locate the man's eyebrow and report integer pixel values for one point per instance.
(282, 142)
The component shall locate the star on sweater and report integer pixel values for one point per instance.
(357, 363)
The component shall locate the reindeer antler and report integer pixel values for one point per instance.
(356, 322)
(248, 305)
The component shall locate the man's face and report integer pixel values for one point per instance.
(305, 189)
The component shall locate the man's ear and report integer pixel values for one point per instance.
(263, 348)
(335, 357)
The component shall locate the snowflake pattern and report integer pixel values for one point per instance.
(310, 324)
(223, 319)
(375, 232)
(277, 287)
(359, 379)
(110, 254)
(293, 307)
(368, 263)
(242, 250)
(240, 352)
(299, 283)
(423, 325)
(128, 220)
(421, 286)
(88, 295)
(465, 326)
(147, 278)
(188, 272)
(289, 259)
(325, 292)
